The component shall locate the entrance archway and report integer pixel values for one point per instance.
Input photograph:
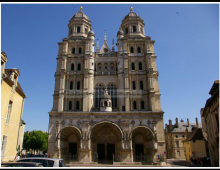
(106, 141)
(70, 143)
(143, 144)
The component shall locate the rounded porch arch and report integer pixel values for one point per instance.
(105, 139)
(143, 139)
(70, 143)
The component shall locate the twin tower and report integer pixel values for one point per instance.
(106, 102)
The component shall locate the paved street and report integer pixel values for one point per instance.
(178, 163)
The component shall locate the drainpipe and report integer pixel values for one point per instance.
(20, 123)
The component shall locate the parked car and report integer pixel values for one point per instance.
(21, 164)
(46, 162)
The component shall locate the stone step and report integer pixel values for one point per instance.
(83, 162)
(127, 163)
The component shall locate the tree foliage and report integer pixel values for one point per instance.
(35, 140)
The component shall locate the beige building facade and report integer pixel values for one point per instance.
(210, 117)
(12, 104)
(106, 103)
(175, 135)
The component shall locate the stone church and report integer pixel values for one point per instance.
(106, 103)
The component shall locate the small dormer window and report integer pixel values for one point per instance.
(134, 29)
(78, 29)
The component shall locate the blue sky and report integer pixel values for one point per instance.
(186, 45)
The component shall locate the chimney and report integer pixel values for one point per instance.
(177, 124)
(166, 128)
(186, 133)
(170, 124)
(187, 122)
(197, 122)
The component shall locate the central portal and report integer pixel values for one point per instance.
(106, 142)
(105, 153)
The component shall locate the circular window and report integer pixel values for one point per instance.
(105, 50)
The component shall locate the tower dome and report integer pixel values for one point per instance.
(79, 25)
(133, 25)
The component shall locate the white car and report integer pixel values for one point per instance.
(46, 162)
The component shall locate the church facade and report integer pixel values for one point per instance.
(106, 103)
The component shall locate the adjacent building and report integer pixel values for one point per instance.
(210, 117)
(195, 145)
(106, 102)
(12, 104)
(175, 135)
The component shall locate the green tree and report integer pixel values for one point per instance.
(26, 142)
(35, 140)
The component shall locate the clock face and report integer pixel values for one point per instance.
(105, 50)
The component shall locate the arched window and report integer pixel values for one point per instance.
(132, 66)
(77, 105)
(134, 85)
(99, 91)
(80, 50)
(131, 50)
(79, 67)
(126, 30)
(78, 29)
(70, 105)
(139, 49)
(142, 105)
(140, 65)
(134, 29)
(72, 67)
(105, 103)
(141, 85)
(86, 30)
(73, 50)
(71, 85)
(78, 85)
(135, 105)
(112, 91)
